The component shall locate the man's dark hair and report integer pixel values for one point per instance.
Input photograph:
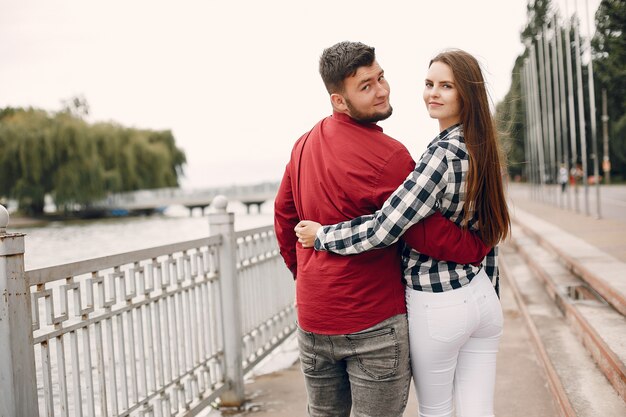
(341, 61)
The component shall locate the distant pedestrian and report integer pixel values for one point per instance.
(563, 176)
(576, 174)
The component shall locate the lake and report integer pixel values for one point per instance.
(71, 241)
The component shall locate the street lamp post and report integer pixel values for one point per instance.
(592, 118)
(606, 162)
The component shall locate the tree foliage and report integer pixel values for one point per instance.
(75, 162)
(510, 112)
(609, 60)
(609, 65)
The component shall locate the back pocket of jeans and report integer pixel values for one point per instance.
(494, 321)
(377, 352)
(447, 322)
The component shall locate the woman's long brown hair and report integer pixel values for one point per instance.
(484, 185)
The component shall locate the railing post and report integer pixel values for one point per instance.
(223, 223)
(18, 381)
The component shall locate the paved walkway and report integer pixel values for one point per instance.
(607, 234)
(519, 378)
(522, 389)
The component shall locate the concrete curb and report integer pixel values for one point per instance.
(561, 399)
(604, 273)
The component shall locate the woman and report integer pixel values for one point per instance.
(455, 317)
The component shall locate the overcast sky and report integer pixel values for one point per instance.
(237, 81)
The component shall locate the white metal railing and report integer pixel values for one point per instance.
(161, 331)
(265, 319)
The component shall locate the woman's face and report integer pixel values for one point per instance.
(441, 95)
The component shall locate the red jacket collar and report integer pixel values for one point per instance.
(345, 118)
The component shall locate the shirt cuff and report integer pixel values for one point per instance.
(319, 236)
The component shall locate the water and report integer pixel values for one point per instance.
(62, 242)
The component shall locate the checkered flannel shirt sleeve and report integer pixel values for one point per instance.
(412, 201)
(490, 263)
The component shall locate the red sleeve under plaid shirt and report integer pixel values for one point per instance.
(437, 183)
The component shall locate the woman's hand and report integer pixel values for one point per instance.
(306, 231)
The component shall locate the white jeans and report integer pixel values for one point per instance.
(454, 337)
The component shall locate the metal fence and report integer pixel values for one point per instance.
(163, 331)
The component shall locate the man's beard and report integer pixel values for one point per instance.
(367, 118)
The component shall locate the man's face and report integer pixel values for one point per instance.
(366, 95)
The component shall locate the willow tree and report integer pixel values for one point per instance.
(138, 159)
(77, 163)
(27, 159)
(78, 177)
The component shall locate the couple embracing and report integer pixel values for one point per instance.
(418, 295)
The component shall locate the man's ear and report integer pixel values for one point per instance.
(338, 102)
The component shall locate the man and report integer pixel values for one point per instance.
(352, 328)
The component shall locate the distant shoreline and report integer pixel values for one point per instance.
(18, 221)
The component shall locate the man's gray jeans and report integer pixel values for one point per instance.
(368, 371)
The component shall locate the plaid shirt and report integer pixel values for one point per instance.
(437, 183)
